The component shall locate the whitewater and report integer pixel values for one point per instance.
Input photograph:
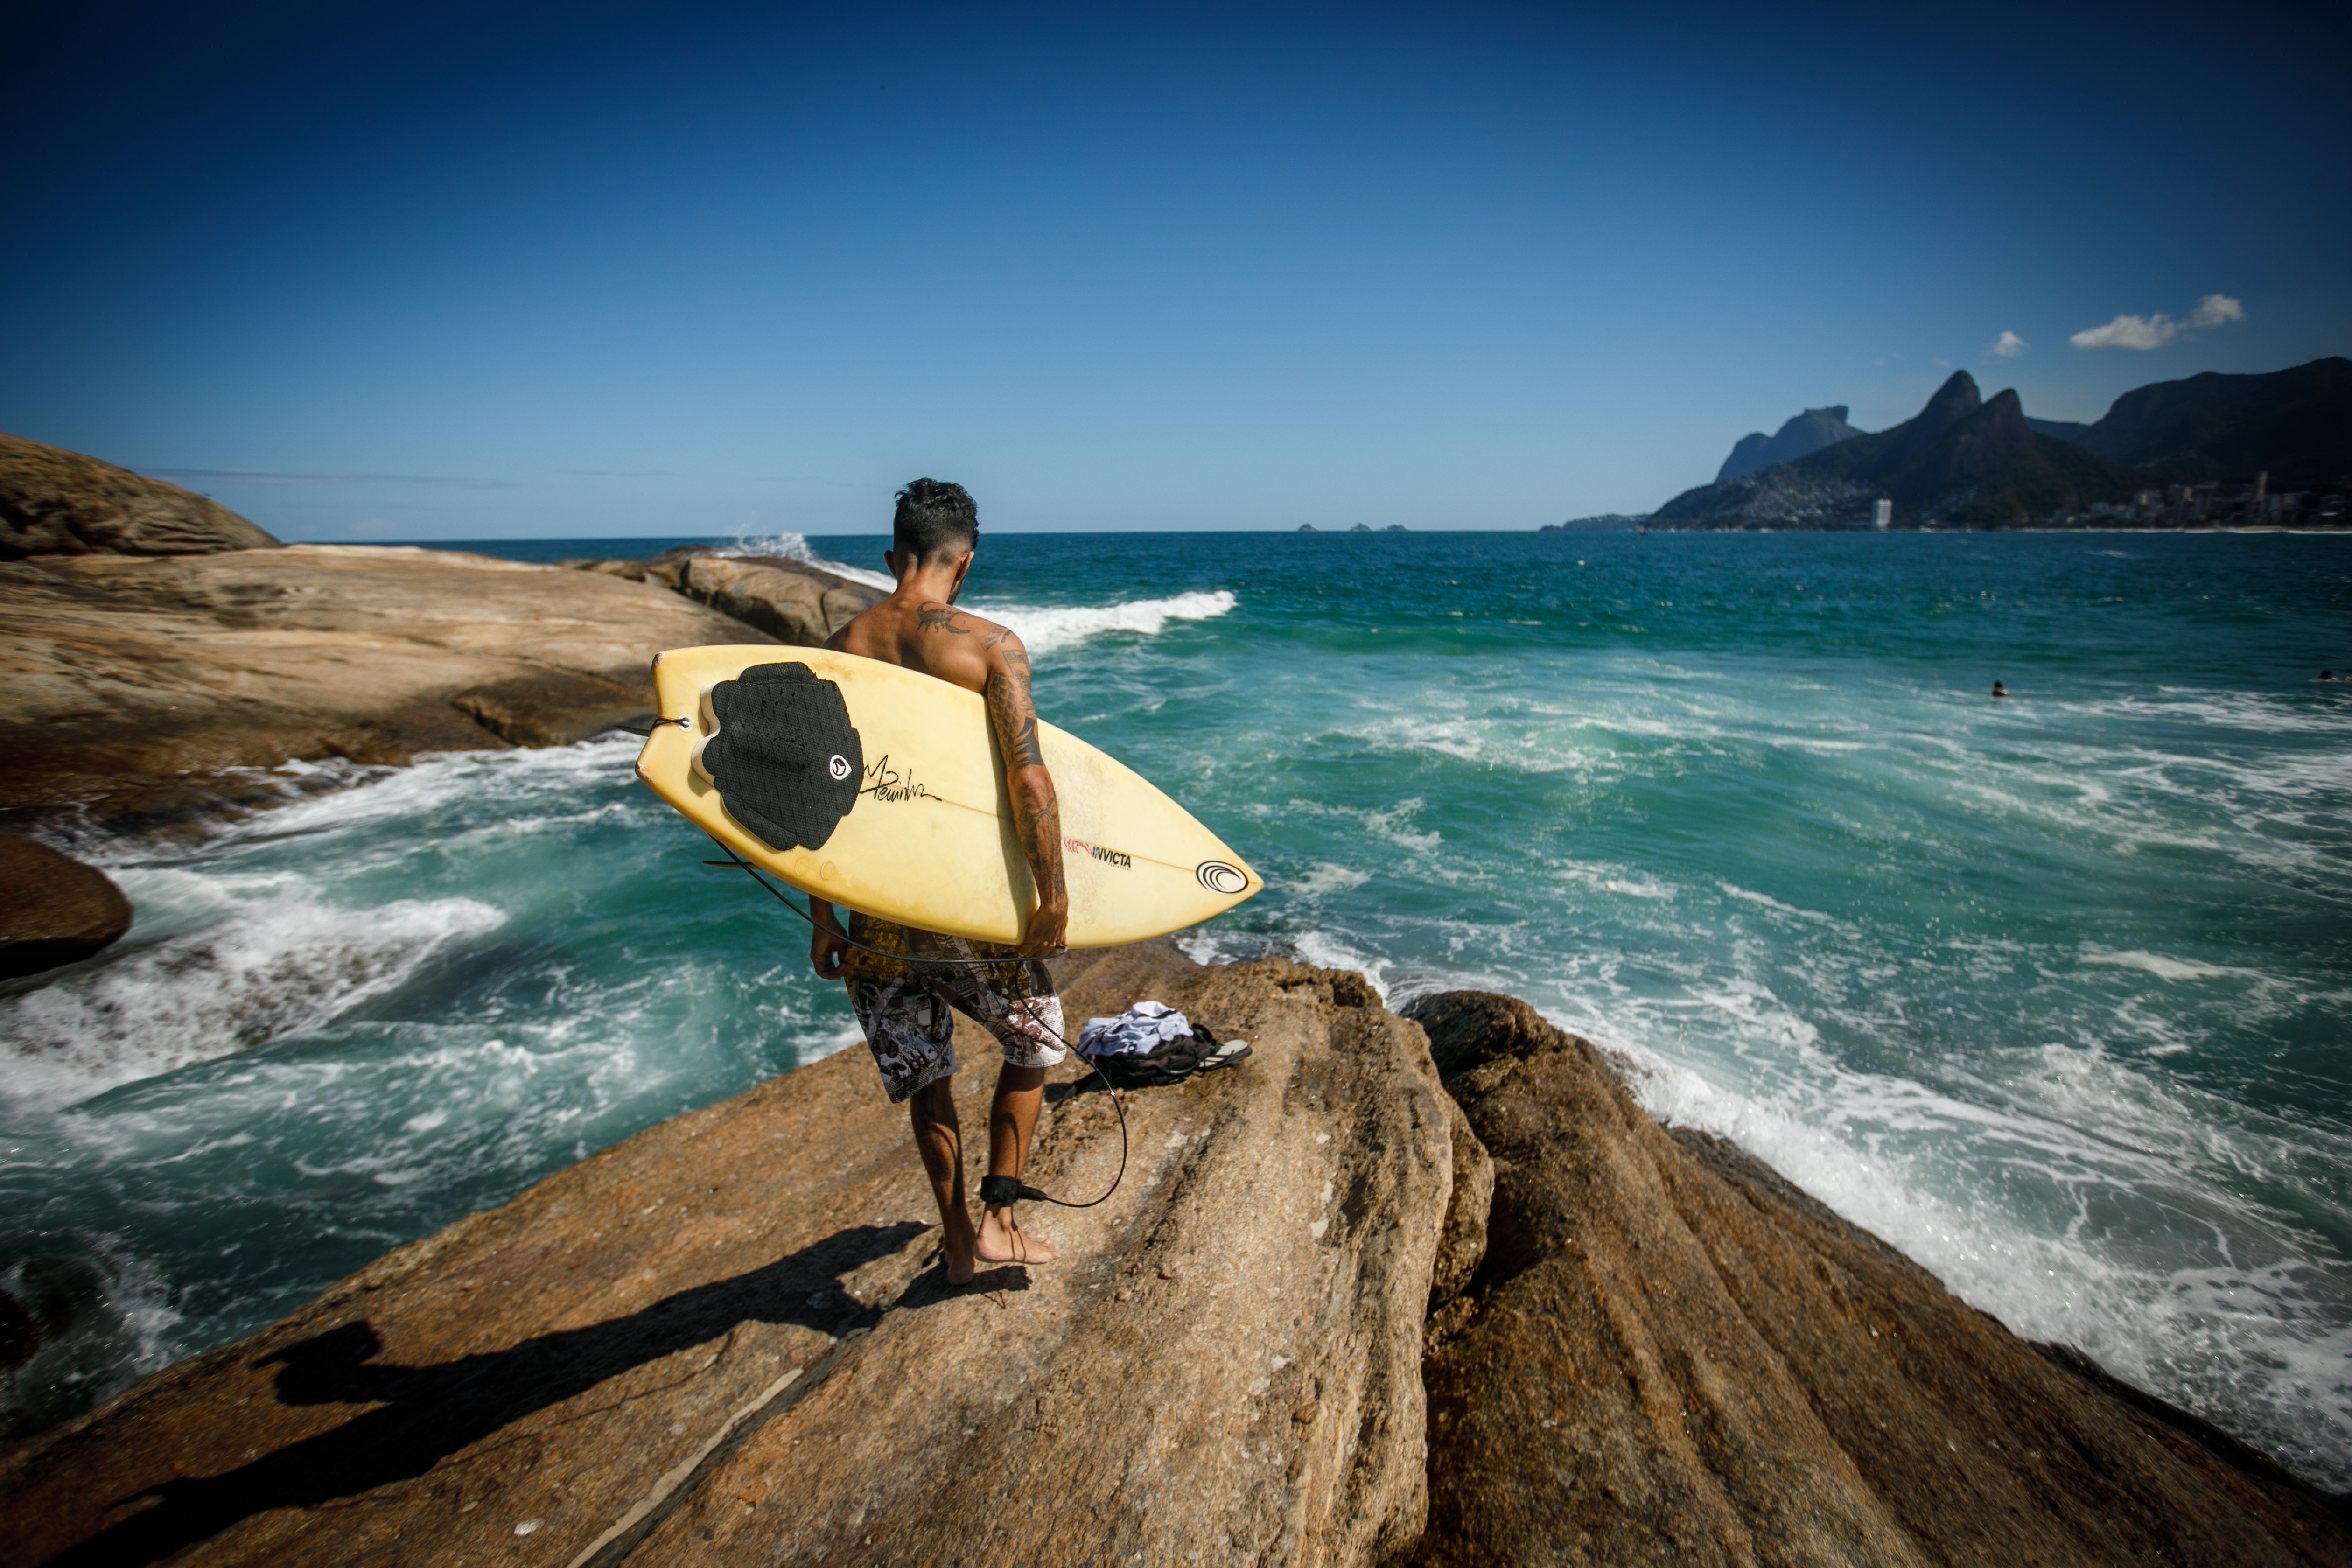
(2048, 992)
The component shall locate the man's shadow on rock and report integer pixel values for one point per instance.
(425, 1414)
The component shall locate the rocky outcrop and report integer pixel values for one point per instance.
(793, 606)
(792, 601)
(728, 1339)
(55, 502)
(138, 685)
(53, 910)
(1671, 1355)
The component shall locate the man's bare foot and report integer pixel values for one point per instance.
(956, 1250)
(1002, 1240)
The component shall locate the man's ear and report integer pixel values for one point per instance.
(890, 562)
(962, 573)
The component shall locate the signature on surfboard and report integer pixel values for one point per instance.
(886, 783)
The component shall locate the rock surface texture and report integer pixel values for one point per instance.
(139, 683)
(728, 1341)
(1670, 1355)
(55, 502)
(53, 909)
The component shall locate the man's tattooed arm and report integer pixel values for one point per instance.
(1036, 813)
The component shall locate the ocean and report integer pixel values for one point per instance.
(2050, 993)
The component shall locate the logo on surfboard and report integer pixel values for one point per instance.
(1118, 857)
(1219, 877)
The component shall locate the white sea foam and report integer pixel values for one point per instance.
(1324, 877)
(2165, 968)
(1048, 628)
(271, 967)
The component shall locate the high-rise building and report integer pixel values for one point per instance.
(1881, 515)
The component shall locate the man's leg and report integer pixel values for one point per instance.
(1011, 1120)
(940, 1140)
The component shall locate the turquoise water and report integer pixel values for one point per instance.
(2050, 993)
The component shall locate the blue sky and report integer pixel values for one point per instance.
(497, 272)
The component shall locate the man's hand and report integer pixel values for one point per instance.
(828, 944)
(1048, 933)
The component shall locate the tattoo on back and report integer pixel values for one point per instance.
(938, 618)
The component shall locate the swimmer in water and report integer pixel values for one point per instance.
(1999, 690)
(2327, 675)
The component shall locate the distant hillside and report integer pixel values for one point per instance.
(1961, 462)
(1800, 437)
(2295, 424)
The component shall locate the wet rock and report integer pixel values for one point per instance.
(53, 910)
(55, 502)
(140, 687)
(1670, 1354)
(727, 1340)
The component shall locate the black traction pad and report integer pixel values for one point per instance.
(785, 759)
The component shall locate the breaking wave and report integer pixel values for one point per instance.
(1048, 628)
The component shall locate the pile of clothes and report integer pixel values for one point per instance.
(1151, 1045)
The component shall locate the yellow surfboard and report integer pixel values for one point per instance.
(882, 790)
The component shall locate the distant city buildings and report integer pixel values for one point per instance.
(2214, 504)
(1881, 513)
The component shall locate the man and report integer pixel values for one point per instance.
(902, 1002)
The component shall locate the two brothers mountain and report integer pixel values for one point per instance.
(1966, 462)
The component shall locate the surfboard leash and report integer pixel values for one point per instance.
(995, 1191)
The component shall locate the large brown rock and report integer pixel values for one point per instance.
(55, 502)
(1670, 1355)
(791, 604)
(142, 683)
(792, 601)
(728, 1341)
(53, 910)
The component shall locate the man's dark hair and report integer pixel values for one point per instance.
(934, 518)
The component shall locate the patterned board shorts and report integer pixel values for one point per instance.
(903, 1004)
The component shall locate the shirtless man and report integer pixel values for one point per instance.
(903, 1004)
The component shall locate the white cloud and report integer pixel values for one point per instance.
(1943, 365)
(2215, 309)
(2155, 331)
(2129, 332)
(2009, 345)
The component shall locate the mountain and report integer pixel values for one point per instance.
(2296, 423)
(1961, 460)
(1800, 437)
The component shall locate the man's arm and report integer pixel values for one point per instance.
(1037, 813)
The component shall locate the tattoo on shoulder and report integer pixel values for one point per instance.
(938, 618)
